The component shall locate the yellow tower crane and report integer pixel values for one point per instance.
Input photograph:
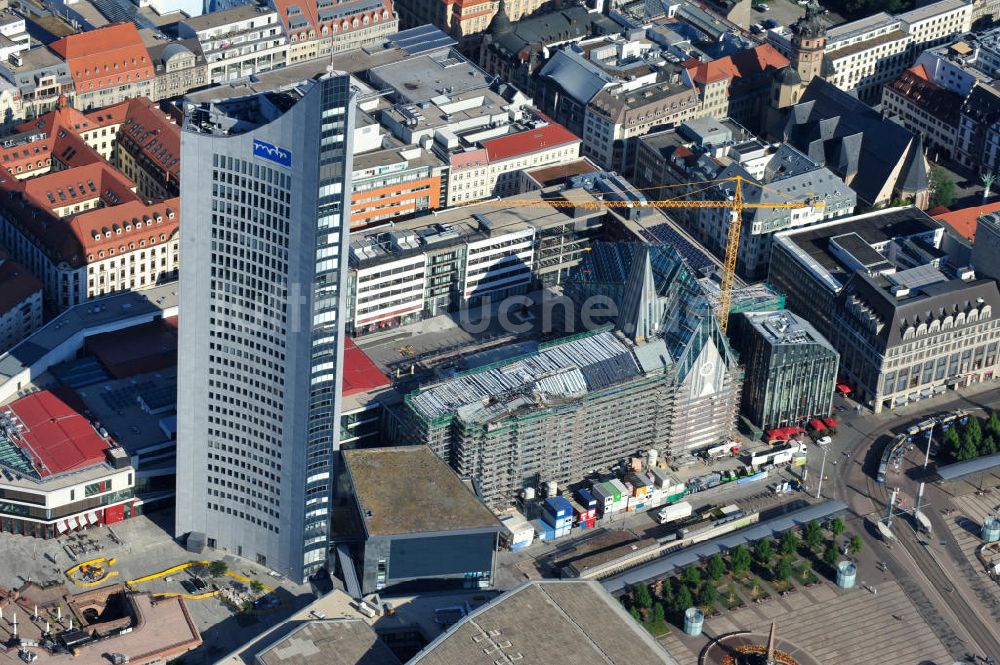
(736, 204)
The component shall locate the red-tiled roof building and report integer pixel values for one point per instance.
(58, 468)
(925, 108)
(78, 221)
(317, 28)
(108, 65)
(737, 86)
(495, 168)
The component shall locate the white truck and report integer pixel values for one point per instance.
(674, 512)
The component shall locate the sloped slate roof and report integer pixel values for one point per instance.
(847, 135)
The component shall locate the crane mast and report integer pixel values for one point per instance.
(736, 205)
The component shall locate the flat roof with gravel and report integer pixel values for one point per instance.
(551, 621)
(409, 489)
(330, 642)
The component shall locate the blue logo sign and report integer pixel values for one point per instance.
(272, 153)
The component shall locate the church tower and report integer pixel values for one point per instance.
(808, 44)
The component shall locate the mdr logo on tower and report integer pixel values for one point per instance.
(272, 153)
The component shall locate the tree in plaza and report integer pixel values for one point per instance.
(942, 187)
(813, 534)
(783, 570)
(692, 577)
(830, 555)
(952, 443)
(740, 560)
(716, 567)
(855, 545)
(635, 614)
(731, 593)
(256, 586)
(708, 596)
(789, 542)
(642, 597)
(837, 526)
(659, 614)
(992, 426)
(974, 430)
(683, 600)
(763, 551)
(969, 449)
(218, 568)
(988, 446)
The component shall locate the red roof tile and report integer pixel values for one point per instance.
(57, 437)
(739, 65)
(360, 373)
(302, 16)
(964, 221)
(106, 57)
(550, 136)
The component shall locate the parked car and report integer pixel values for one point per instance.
(756, 28)
(189, 586)
(824, 441)
(771, 23)
(761, 7)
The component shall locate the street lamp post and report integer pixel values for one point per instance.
(822, 468)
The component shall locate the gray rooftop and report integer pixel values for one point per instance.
(855, 29)
(329, 642)
(932, 10)
(112, 312)
(559, 371)
(576, 75)
(961, 470)
(227, 16)
(783, 328)
(812, 245)
(429, 75)
(409, 489)
(551, 621)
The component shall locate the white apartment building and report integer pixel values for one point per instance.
(937, 22)
(387, 291)
(238, 42)
(868, 53)
(13, 28)
(499, 262)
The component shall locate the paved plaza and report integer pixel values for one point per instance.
(852, 627)
(965, 523)
(146, 547)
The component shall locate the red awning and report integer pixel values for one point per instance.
(830, 422)
(817, 425)
(844, 388)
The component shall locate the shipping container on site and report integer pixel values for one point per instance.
(605, 495)
(620, 486)
(557, 512)
(587, 500)
(639, 483)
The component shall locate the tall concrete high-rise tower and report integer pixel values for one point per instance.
(266, 185)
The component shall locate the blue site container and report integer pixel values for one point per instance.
(586, 499)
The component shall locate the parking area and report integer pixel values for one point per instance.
(145, 547)
(786, 12)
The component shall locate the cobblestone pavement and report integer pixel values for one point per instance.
(852, 627)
